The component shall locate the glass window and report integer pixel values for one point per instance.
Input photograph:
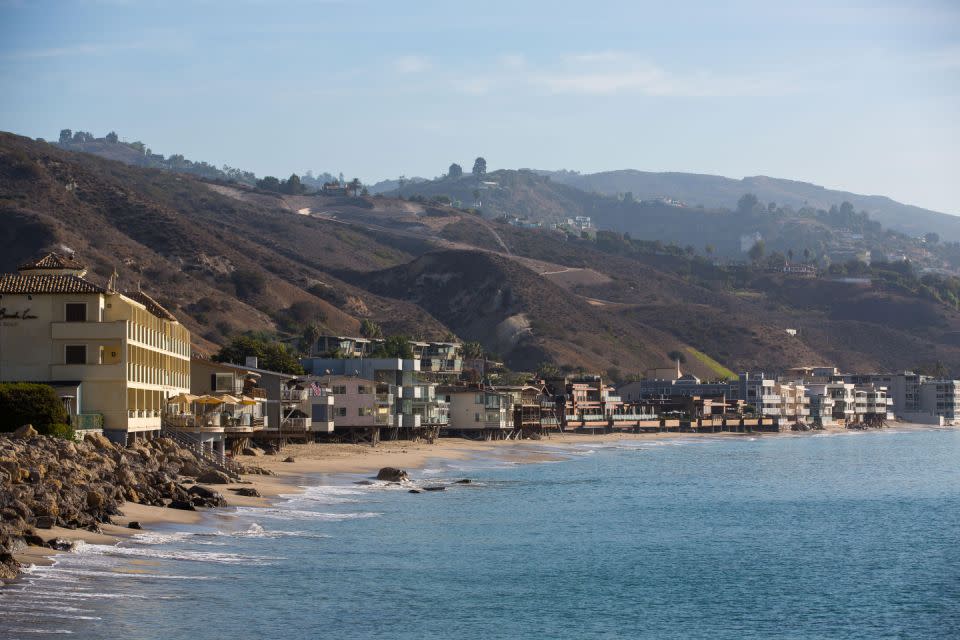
(75, 354)
(341, 412)
(76, 312)
(339, 390)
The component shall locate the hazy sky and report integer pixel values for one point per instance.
(864, 97)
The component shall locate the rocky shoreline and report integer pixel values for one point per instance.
(48, 482)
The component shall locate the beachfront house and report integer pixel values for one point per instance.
(477, 412)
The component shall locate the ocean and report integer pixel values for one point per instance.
(853, 535)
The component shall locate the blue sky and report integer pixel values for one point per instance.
(858, 96)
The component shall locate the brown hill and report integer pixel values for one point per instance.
(226, 257)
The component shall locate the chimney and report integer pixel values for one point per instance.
(252, 362)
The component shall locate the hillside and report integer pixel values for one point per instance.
(227, 257)
(220, 264)
(714, 192)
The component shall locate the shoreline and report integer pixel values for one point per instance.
(325, 461)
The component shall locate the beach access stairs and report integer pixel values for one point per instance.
(216, 460)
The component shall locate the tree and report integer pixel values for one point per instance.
(479, 167)
(271, 355)
(269, 183)
(370, 329)
(394, 347)
(310, 336)
(932, 238)
(455, 171)
(472, 350)
(292, 185)
(27, 403)
(354, 186)
(757, 251)
(677, 356)
(806, 254)
(747, 203)
(112, 137)
(629, 197)
(708, 249)
(65, 136)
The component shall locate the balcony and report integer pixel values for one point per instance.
(293, 395)
(88, 372)
(294, 425)
(384, 399)
(412, 392)
(88, 330)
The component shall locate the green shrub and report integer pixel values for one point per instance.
(60, 430)
(26, 403)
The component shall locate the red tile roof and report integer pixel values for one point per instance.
(17, 283)
(53, 261)
(152, 305)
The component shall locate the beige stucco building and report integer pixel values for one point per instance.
(122, 353)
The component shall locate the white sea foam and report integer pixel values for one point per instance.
(280, 513)
(191, 556)
(43, 631)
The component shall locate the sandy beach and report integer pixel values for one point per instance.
(326, 458)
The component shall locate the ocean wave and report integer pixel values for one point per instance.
(190, 556)
(43, 631)
(280, 513)
(4, 613)
(325, 494)
(123, 574)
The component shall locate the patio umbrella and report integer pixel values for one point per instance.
(229, 399)
(247, 400)
(182, 398)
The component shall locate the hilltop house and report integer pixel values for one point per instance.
(114, 357)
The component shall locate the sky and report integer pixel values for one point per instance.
(863, 97)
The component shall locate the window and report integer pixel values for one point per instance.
(363, 389)
(222, 382)
(476, 417)
(364, 411)
(341, 412)
(75, 354)
(339, 390)
(76, 312)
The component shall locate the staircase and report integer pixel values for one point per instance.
(195, 445)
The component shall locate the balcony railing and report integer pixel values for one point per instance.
(293, 395)
(88, 421)
(295, 424)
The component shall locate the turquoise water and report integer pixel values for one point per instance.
(846, 536)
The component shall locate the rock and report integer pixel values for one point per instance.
(204, 497)
(289, 459)
(214, 477)
(464, 481)
(34, 540)
(98, 440)
(249, 492)
(252, 451)
(26, 431)
(392, 474)
(183, 505)
(436, 488)
(414, 491)
(188, 481)
(59, 544)
(134, 524)
(95, 500)
(45, 522)
(363, 482)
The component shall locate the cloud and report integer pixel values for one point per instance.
(617, 72)
(411, 64)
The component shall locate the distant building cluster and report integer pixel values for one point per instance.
(122, 365)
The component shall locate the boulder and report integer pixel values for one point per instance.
(289, 459)
(415, 491)
(34, 540)
(59, 544)
(26, 431)
(464, 481)
(435, 488)
(214, 477)
(249, 492)
(183, 505)
(98, 440)
(45, 522)
(134, 524)
(392, 474)
(252, 451)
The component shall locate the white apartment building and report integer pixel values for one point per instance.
(475, 409)
(120, 355)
